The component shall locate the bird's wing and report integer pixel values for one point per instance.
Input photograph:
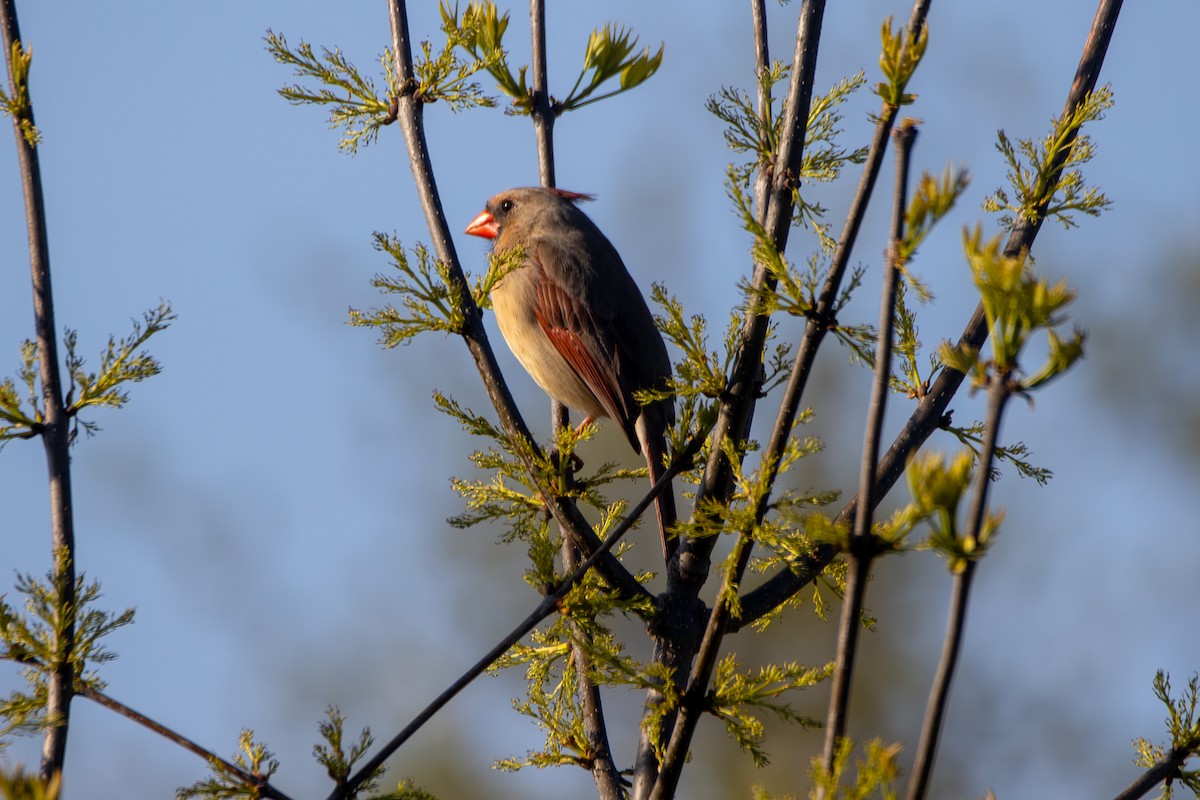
(585, 341)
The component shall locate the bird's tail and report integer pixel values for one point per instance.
(664, 504)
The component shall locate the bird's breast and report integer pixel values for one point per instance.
(514, 301)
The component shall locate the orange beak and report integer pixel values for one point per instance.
(484, 225)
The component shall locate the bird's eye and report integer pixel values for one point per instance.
(506, 206)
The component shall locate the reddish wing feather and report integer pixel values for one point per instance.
(571, 338)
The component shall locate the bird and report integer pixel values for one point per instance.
(576, 320)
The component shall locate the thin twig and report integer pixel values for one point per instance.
(542, 111)
(930, 413)
(410, 112)
(862, 545)
(262, 787)
(939, 694)
(762, 66)
(55, 430)
(549, 605)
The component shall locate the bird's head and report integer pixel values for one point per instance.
(504, 206)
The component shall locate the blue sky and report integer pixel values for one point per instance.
(273, 504)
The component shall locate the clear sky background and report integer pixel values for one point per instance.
(273, 504)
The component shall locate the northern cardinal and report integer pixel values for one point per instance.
(577, 322)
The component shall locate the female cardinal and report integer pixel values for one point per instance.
(576, 321)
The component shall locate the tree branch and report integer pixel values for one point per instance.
(719, 619)
(55, 430)
(745, 382)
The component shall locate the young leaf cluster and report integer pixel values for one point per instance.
(737, 694)
(499, 265)
(901, 55)
(122, 362)
(252, 757)
(355, 105)
(611, 54)
(36, 639)
(932, 199)
(511, 493)
(795, 291)
(17, 784)
(1045, 177)
(333, 755)
(16, 105)
(757, 134)
(906, 378)
(700, 372)
(875, 773)
(552, 678)
(1183, 726)
(780, 526)
(937, 489)
(429, 299)
(512, 496)
(1016, 454)
(480, 32)
(21, 419)
(1016, 304)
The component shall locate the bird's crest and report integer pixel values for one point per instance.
(573, 197)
